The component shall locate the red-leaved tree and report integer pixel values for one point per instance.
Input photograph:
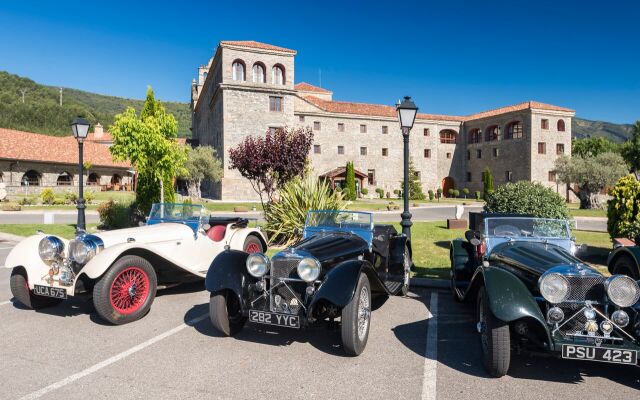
(270, 161)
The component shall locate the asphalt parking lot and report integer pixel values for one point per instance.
(68, 352)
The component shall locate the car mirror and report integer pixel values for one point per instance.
(581, 249)
(475, 241)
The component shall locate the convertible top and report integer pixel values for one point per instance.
(237, 221)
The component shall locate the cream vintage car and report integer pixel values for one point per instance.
(123, 268)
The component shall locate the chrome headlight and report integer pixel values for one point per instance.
(553, 287)
(622, 290)
(309, 269)
(83, 248)
(258, 264)
(50, 248)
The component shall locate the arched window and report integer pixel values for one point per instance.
(492, 133)
(259, 75)
(204, 75)
(116, 179)
(475, 136)
(93, 179)
(238, 70)
(514, 130)
(30, 178)
(448, 136)
(64, 179)
(277, 75)
(560, 125)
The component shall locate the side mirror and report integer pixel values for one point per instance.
(475, 241)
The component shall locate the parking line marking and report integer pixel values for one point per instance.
(111, 360)
(429, 375)
(5, 302)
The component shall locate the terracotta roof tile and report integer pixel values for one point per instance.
(517, 107)
(255, 45)
(18, 145)
(306, 87)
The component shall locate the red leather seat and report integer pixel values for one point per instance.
(216, 233)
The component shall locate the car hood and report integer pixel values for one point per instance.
(327, 246)
(535, 257)
(146, 234)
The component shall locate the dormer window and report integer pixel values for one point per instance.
(238, 70)
(277, 75)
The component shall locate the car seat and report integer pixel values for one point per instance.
(216, 233)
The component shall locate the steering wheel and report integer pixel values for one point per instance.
(506, 230)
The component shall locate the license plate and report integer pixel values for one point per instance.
(49, 291)
(602, 354)
(270, 318)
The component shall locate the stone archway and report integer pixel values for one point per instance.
(448, 183)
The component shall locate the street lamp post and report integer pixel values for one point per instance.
(80, 128)
(407, 111)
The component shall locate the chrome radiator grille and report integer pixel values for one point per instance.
(286, 296)
(583, 288)
(282, 268)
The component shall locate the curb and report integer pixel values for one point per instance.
(430, 283)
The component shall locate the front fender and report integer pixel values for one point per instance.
(396, 252)
(25, 254)
(237, 237)
(631, 251)
(340, 283)
(228, 272)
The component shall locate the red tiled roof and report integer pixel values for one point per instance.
(18, 145)
(517, 107)
(256, 45)
(306, 87)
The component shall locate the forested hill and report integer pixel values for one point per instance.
(41, 112)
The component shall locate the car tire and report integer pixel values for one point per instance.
(625, 265)
(356, 319)
(252, 245)
(406, 279)
(495, 341)
(21, 292)
(126, 291)
(219, 306)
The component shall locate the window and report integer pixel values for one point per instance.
(301, 118)
(363, 151)
(275, 103)
(468, 176)
(340, 127)
(475, 136)
(371, 176)
(237, 70)
(560, 148)
(317, 149)
(30, 178)
(560, 125)
(277, 75)
(544, 124)
(448, 136)
(385, 152)
(64, 179)
(478, 153)
(552, 176)
(426, 131)
(93, 179)
(427, 153)
(316, 125)
(363, 129)
(259, 75)
(340, 149)
(508, 176)
(468, 155)
(492, 133)
(542, 148)
(496, 152)
(514, 131)
(385, 129)
(448, 155)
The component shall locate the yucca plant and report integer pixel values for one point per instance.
(285, 216)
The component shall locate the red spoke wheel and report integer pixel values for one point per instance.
(126, 291)
(253, 245)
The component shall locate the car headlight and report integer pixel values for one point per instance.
(258, 264)
(83, 248)
(622, 290)
(554, 287)
(309, 269)
(50, 248)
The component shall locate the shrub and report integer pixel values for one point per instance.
(47, 196)
(431, 195)
(285, 216)
(350, 182)
(338, 189)
(456, 193)
(72, 197)
(439, 191)
(89, 196)
(11, 207)
(478, 195)
(450, 192)
(59, 202)
(526, 197)
(115, 215)
(380, 193)
(388, 195)
(466, 192)
(27, 201)
(623, 209)
(364, 191)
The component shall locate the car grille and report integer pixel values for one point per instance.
(285, 296)
(582, 288)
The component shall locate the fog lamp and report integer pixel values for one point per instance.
(620, 318)
(555, 315)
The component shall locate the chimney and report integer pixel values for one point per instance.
(98, 131)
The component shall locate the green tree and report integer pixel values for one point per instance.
(350, 182)
(149, 143)
(415, 186)
(528, 198)
(487, 182)
(202, 164)
(592, 146)
(591, 175)
(631, 150)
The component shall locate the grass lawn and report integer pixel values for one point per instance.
(574, 209)
(230, 206)
(67, 231)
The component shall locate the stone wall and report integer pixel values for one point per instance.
(543, 164)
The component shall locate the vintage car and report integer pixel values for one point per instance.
(342, 261)
(625, 258)
(123, 268)
(532, 293)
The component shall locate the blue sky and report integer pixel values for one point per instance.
(453, 57)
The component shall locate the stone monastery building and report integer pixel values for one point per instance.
(249, 87)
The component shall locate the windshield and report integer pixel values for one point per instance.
(175, 212)
(339, 219)
(524, 227)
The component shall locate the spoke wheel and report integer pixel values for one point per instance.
(129, 290)
(252, 245)
(364, 313)
(406, 279)
(356, 318)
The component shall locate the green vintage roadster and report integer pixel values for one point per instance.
(532, 293)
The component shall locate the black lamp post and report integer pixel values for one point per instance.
(80, 128)
(407, 111)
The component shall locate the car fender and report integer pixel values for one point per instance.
(236, 237)
(25, 254)
(228, 272)
(458, 255)
(631, 251)
(396, 250)
(339, 284)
